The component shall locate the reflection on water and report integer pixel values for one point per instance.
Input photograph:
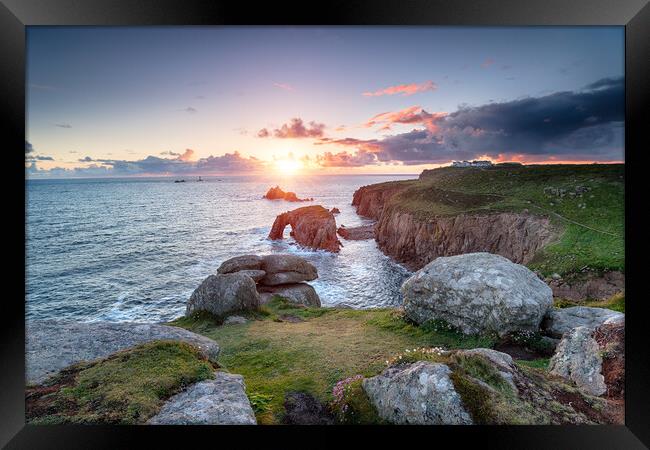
(134, 250)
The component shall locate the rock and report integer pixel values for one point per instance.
(303, 409)
(245, 262)
(357, 233)
(256, 275)
(578, 359)
(235, 320)
(223, 294)
(335, 211)
(276, 193)
(588, 285)
(560, 320)
(311, 226)
(52, 345)
(611, 340)
(220, 401)
(283, 268)
(420, 393)
(477, 293)
(556, 276)
(297, 293)
(501, 361)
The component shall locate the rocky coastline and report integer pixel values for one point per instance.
(478, 339)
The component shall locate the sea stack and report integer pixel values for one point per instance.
(311, 226)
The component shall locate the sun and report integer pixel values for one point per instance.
(288, 166)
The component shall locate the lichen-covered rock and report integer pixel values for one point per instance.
(477, 293)
(297, 293)
(220, 401)
(502, 362)
(285, 268)
(420, 393)
(560, 320)
(611, 340)
(578, 359)
(244, 262)
(223, 294)
(52, 345)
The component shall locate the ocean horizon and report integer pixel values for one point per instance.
(135, 248)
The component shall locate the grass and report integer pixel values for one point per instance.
(128, 387)
(616, 303)
(451, 191)
(541, 363)
(311, 356)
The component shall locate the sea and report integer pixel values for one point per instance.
(134, 249)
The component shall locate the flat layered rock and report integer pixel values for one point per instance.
(560, 320)
(297, 293)
(220, 401)
(359, 233)
(53, 345)
(286, 268)
(244, 262)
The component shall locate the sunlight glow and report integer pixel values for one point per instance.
(288, 166)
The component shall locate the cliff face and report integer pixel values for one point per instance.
(415, 243)
(370, 200)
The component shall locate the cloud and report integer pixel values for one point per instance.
(283, 86)
(579, 125)
(404, 89)
(153, 165)
(295, 129)
(487, 63)
(189, 110)
(411, 115)
(63, 125)
(39, 158)
(346, 159)
(28, 147)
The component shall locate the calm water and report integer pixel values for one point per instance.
(134, 250)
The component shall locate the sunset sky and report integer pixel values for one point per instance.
(218, 100)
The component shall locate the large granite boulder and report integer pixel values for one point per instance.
(238, 263)
(311, 226)
(421, 393)
(297, 293)
(560, 320)
(52, 345)
(220, 401)
(285, 269)
(224, 294)
(578, 359)
(477, 293)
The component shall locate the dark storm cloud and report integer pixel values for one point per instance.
(571, 124)
(28, 147)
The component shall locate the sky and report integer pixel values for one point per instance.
(143, 101)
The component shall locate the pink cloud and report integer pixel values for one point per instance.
(295, 129)
(187, 155)
(487, 63)
(285, 86)
(410, 115)
(404, 89)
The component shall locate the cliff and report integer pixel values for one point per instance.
(415, 243)
(556, 219)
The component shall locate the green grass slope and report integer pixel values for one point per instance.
(589, 213)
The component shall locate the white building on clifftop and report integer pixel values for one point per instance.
(472, 163)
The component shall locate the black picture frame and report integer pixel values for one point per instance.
(15, 15)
